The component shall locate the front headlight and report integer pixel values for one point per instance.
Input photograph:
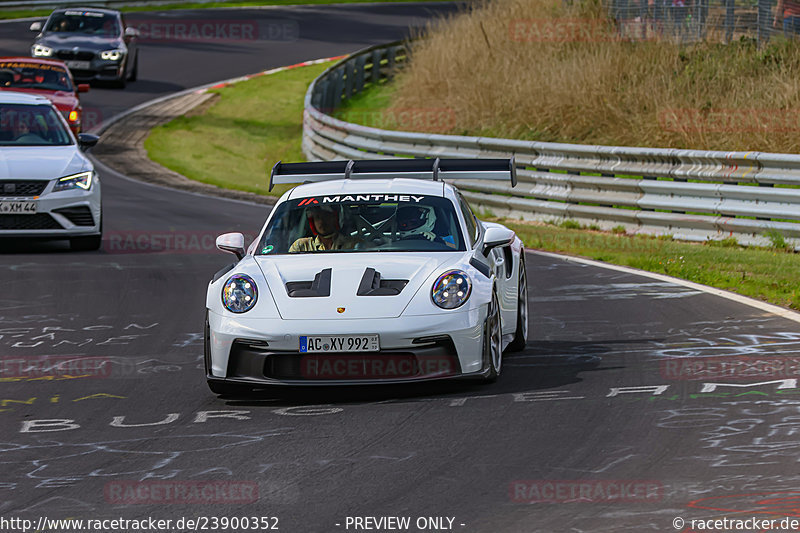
(39, 50)
(239, 294)
(111, 55)
(451, 289)
(75, 181)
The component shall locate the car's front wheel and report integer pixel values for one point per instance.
(226, 389)
(122, 81)
(493, 341)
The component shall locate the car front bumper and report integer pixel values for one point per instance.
(264, 352)
(98, 70)
(63, 214)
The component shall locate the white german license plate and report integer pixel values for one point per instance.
(79, 65)
(339, 343)
(18, 208)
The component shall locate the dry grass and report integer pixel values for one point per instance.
(521, 69)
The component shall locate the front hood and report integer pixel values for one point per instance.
(35, 162)
(347, 271)
(63, 100)
(68, 41)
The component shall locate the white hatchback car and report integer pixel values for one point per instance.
(375, 272)
(48, 187)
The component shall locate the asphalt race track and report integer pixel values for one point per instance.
(619, 415)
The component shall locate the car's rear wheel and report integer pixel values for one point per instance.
(493, 341)
(521, 334)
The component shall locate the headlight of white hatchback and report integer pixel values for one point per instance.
(75, 181)
(239, 294)
(451, 289)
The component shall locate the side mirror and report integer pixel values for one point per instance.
(83, 87)
(495, 237)
(131, 32)
(232, 243)
(87, 140)
(36, 26)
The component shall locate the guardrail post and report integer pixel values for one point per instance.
(338, 87)
(348, 79)
(375, 75)
(361, 61)
(390, 58)
(318, 98)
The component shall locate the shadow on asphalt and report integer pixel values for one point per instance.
(543, 365)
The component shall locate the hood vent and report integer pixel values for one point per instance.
(320, 287)
(372, 284)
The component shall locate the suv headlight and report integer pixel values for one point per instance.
(111, 55)
(39, 50)
(451, 289)
(239, 294)
(75, 181)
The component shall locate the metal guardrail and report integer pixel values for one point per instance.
(689, 194)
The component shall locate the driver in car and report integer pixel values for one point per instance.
(324, 224)
(22, 132)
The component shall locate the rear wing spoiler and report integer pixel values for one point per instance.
(426, 169)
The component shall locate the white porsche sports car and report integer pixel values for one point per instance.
(372, 271)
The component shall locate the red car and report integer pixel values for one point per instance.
(48, 78)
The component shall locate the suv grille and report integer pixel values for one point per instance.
(69, 54)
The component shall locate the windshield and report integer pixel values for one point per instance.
(22, 75)
(363, 223)
(31, 125)
(87, 22)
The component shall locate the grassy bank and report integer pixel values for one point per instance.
(235, 142)
(550, 71)
(6, 14)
